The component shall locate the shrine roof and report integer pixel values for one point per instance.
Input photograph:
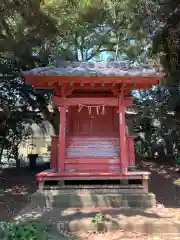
(120, 72)
(96, 69)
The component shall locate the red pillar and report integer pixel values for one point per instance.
(123, 138)
(131, 151)
(62, 139)
(54, 152)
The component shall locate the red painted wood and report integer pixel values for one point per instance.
(92, 139)
(131, 151)
(81, 125)
(57, 88)
(109, 175)
(62, 139)
(92, 147)
(91, 95)
(89, 170)
(93, 125)
(83, 138)
(94, 160)
(127, 101)
(54, 152)
(110, 101)
(95, 87)
(93, 166)
(44, 80)
(123, 138)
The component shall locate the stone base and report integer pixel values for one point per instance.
(81, 199)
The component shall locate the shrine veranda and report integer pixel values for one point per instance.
(92, 144)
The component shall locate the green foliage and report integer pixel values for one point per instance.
(30, 230)
(98, 219)
(177, 182)
(166, 40)
(36, 33)
(177, 160)
(65, 29)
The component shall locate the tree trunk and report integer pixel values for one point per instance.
(2, 149)
(169, 147)
(16, 156)
(51, 117)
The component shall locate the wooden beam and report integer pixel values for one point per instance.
(112, 101)
(85, 101)
(128, 102)
(144, 80)
(62, 139)
(91, 95)
(105, 167)
(105, 175)
(82, 86)
(94, 86)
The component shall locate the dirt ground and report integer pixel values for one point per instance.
(161, 182)
(120, 235)
(16, 186)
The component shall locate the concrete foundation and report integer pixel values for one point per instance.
(81, 199)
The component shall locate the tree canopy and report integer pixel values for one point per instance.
(35, 33)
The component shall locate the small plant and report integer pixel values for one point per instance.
(177, 181)
(99, 218)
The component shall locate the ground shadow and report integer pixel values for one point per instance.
(16, 187)
(15, 201)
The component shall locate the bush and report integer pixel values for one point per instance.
(30, 230)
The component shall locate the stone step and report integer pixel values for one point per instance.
(64, 199)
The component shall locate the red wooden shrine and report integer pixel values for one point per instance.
(92, 99)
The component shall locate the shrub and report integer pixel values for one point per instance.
(15, 230)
